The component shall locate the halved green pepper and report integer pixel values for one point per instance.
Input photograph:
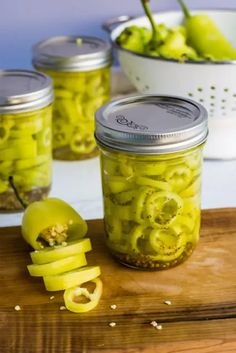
(51, 222)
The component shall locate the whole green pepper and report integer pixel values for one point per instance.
(158, 34)
(134, 38)
(206, 38)
(161, 33)
(175, 47)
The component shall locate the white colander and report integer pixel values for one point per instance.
(211, 84)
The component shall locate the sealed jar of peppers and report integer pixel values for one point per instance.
(25, 136)
(151, 155)
(80, 69)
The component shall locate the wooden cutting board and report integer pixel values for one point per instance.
(201, 318)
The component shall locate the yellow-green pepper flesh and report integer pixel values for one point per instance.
(72, 278)
(77, 96)
(25, 145)
(154, 198)
(52, 212)
(59, 266)
(206, 37)
(70, 295)
(54, 253)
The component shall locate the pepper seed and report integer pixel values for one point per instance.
(113, 306)
(167, 302)
(112, 324)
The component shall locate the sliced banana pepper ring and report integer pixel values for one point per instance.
(71, 278)
(162, 208)
(167, 244)
(178, 176)
(139, 203)
(156, 184)
(59, 266)
(118, 184)
(4, 133)
(61, 251)
(70, 295)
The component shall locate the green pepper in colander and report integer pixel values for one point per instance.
(206, 38)
(134, 38)
(155, 39)
(175, 47)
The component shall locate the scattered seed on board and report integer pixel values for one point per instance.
(167, 302)
(52, 297)
(156, 325)
(17, 308)
(113, 306)
(112, 324)
(62, 307)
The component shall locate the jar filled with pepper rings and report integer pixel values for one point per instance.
(151, 156)
(80, 69)
(25, 136)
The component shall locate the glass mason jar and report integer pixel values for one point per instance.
(151, 155)
(25, 136)
(80, 69)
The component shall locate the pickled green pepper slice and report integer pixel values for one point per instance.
(139, 203)
(167, 244)
(135, 236)
(162, 208)
(4, 133)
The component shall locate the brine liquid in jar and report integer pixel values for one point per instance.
(25, 137)
(151, 176)
(80, 69)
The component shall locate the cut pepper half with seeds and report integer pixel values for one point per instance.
(51, 222)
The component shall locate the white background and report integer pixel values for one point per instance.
(25, 22)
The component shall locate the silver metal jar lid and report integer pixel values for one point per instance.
(151, 124)
(72, 53)
(24, 90)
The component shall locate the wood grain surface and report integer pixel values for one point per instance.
(201, 318)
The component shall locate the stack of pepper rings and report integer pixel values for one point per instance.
(59, 253)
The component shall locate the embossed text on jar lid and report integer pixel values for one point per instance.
(24, 90)
(72, 53)
(150, 124)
